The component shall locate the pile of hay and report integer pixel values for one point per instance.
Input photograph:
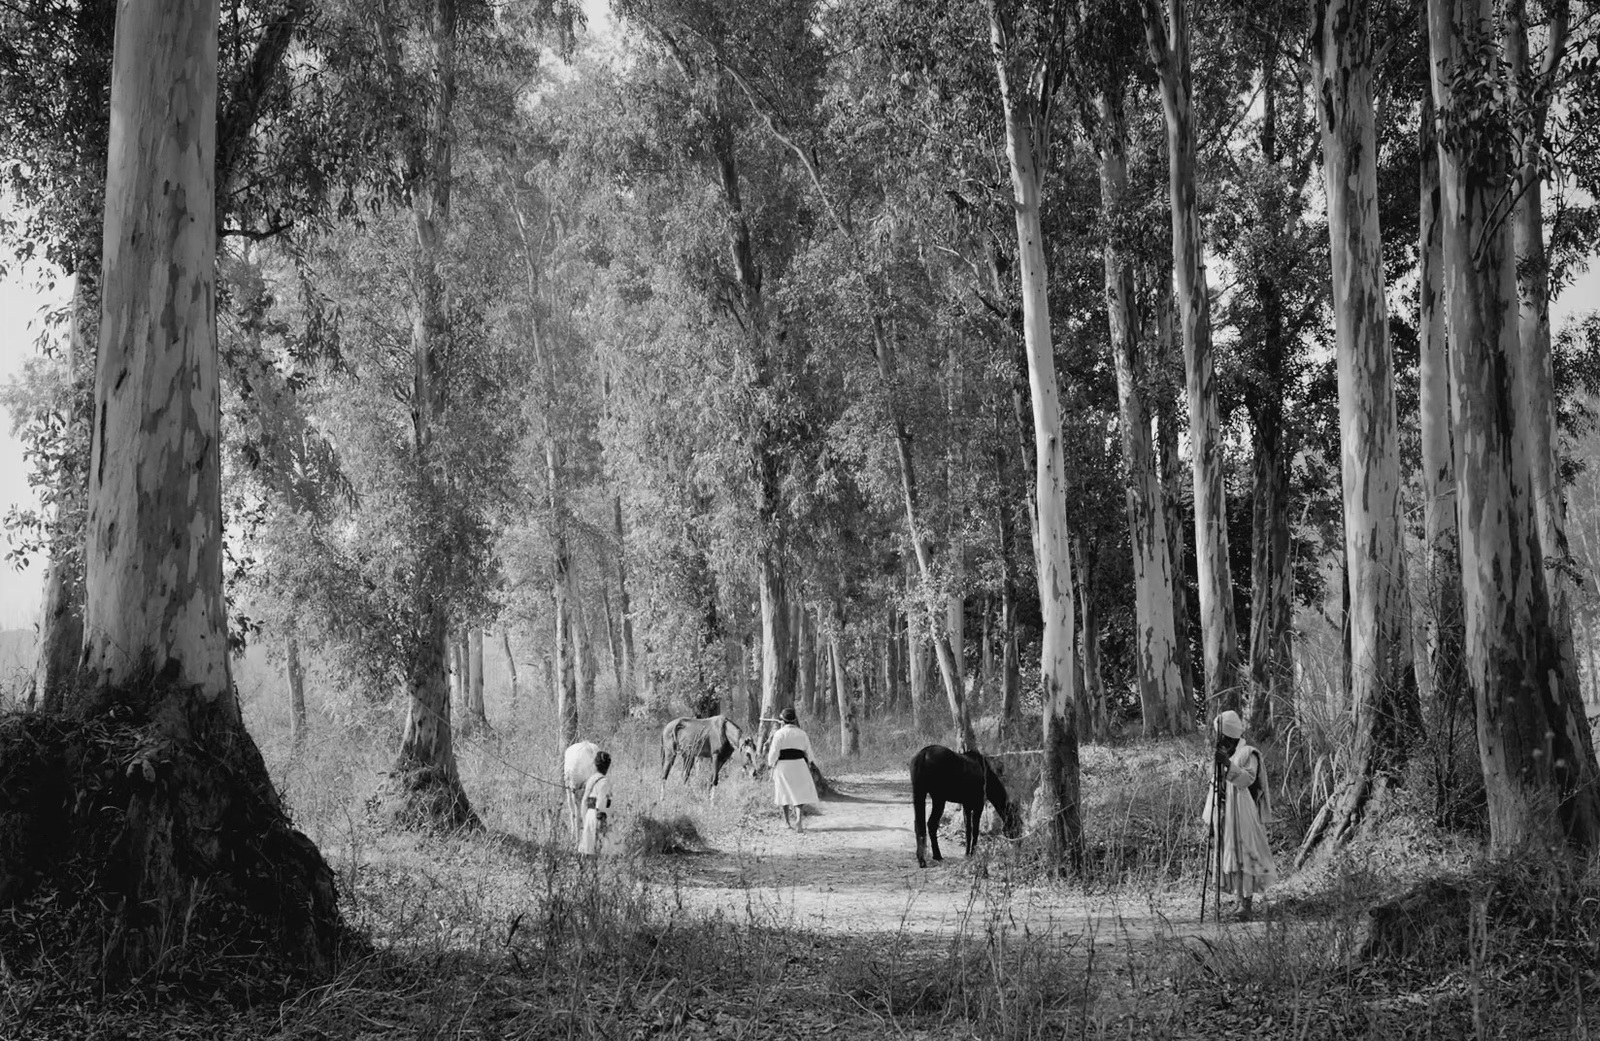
(675, 834)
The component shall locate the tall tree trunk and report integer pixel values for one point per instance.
(1441, 550)
(628, 683)
(1271, 578)
(566, 681)
(1168, 38)
(916, 670)
(777, 666)
(511, 667)
(1533, 377)
(61, 624)
(297, 691)
(1383, 686)
(805, 695)
(1027, 128)
(1155, 650)
(613, 645)
(1180, 699)
(891, 660)
(1094, 691)
(1537, 753)
(425, 767)
(849, 709)
(475, 706)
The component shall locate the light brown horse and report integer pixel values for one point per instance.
(716, 738)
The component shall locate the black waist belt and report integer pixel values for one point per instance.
(791, 753)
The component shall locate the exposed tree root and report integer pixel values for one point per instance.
(133, 842)
(419, 796)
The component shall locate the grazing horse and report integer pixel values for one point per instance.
(964, 777)
(577, 766)
(715, 738)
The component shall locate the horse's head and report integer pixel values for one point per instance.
(1011, 820)
(1010, 813)
(751, 758)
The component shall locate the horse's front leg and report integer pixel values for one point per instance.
(969, 820)
(933, 827)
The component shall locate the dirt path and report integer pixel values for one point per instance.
(855, 871)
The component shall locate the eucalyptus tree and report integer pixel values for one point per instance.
(1533, 740)
(1168, 38)
(190, 809)
(1383, 683)
(1029, 44)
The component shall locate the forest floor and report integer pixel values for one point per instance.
(853, 872)
(763, 933)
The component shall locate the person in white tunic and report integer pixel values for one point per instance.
(1247, 864)
(596, 806)
(789, 756)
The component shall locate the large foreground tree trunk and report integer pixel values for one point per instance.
(1168, 37)
(1383, 686)
(1538, 758)
(182, 823)
(1027, 129)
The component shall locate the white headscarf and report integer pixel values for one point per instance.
(1230, 725)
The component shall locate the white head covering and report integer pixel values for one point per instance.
(1230, 725)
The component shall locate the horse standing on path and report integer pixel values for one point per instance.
(715, 738)
(967, 778)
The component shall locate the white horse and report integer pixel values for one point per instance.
(577, 766)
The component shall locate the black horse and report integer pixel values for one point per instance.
(964, 777)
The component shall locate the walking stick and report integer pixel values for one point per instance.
(1220, 806)
(1211, 838)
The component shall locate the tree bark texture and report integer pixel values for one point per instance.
(154, 605)
(1534, 743)
(849, 708)
(1027, 126)
(1383, 686)
(1155, 642)
(1530, 91)
(1168, 37)
(1442, 598)
(511, 666)
(475, 707)
(61, 623)
(1180, 700)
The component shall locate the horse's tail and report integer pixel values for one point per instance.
(919, 809)
(669, 747)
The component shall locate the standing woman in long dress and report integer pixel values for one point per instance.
(789, 756)
(1247, 864)
(596, 806)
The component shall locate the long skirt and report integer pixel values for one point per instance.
(593, 836)
(792, 784)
